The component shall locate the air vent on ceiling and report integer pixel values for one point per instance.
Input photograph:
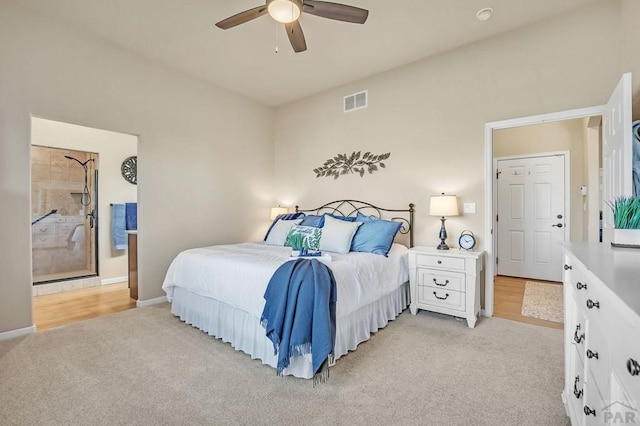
(355, 101)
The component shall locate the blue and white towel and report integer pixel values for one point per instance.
(636, 158)
(131, 216)
(118, 227)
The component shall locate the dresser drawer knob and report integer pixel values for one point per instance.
(440, 284)
(577, 393)
(576, 337)
(441, 298)
(633, 367)
(567, 267)
(591, 304)
(581, 286)
(591, 354)
(588, 411)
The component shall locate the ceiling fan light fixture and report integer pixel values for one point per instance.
(285, 11)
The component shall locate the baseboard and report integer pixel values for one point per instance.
(483, 313)
(114, 280)
(156, 301)
(18, 333)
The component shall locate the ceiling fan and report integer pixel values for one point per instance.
(288, 12)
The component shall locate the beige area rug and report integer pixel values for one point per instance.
(543, 301)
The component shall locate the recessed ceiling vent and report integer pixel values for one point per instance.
(355, 101)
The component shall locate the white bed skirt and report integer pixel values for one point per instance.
(244, 332)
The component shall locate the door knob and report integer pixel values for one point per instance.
(559, 225)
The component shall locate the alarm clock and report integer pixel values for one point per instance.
(467, 241)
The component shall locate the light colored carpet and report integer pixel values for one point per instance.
(543, 301)
(145, 367)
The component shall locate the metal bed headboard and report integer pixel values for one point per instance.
(348, 208)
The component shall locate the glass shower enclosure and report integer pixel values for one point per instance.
(63, 214)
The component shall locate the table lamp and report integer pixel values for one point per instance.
(276, 211)
(443, 206)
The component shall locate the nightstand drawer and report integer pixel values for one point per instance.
(449, 299)
(441, 279)
(440, 262)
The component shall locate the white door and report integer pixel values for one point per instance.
(617, 139)
(531, 217)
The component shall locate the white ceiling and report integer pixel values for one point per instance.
(181, 34)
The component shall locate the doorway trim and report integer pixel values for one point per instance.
(489, 181)
(566, 160)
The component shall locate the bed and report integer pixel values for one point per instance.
(220, 289)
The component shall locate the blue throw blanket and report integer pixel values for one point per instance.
(300, 314)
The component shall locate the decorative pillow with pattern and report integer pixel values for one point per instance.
(304, 236)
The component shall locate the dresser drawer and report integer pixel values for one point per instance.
(597, 355)
(435, 261)
(441, 279)
(443, 298)
(625, 358)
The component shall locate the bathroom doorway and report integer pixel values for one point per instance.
(64, 214)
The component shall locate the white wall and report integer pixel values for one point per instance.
(112, 148)
(431, 114)
(205, 155)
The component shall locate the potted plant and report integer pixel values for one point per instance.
(626, 221)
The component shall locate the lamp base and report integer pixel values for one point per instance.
(442, 236)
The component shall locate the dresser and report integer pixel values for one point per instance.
(445, 281)
(601, 334)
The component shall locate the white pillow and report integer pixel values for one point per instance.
(278, 234)
(337, 235)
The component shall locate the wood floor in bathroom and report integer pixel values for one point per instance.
(54, 310)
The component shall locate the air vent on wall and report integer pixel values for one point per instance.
(355, 101)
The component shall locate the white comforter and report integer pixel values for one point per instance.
(238, 274)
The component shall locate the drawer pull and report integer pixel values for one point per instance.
(578, 338)
(591, 304)
(577, 393)
(441, 298)
(591, 354)
(566, 267)
(581, 286)
(441, 285)
(633, 367)
(588, 411)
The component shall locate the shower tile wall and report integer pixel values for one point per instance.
(57, 183)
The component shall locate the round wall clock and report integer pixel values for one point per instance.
(467, 240)
(129, 169)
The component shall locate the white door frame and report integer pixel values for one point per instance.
(566, 156)
(490, 263)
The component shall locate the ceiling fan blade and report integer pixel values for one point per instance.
(296, 36)
(339, 12)
(242, 17)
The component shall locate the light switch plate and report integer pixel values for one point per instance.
(469, 207)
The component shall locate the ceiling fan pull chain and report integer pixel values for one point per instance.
(276, 37)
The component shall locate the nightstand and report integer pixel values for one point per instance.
(446, 281)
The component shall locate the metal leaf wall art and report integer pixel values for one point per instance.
(343, 164)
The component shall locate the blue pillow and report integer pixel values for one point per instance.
(313, 220)
(374, 235)
(286, 216)
(343, 218)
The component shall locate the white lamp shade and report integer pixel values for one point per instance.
(275, 211)
(443, 205)
(284, 11)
